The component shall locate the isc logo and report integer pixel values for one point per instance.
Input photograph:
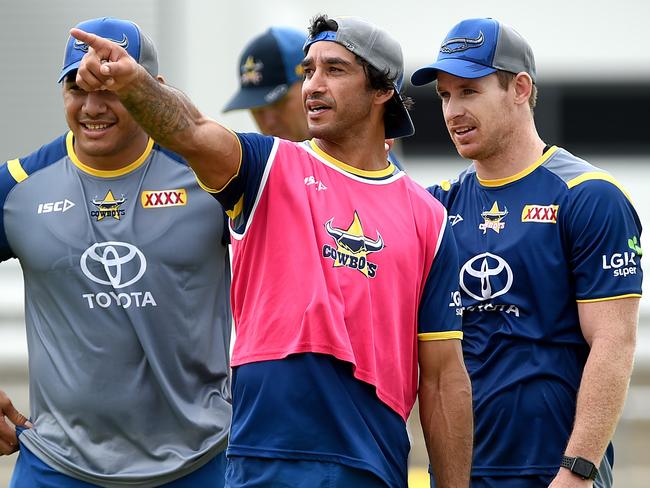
(60, 206)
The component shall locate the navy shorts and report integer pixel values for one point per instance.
(31, 472)
(253, 472)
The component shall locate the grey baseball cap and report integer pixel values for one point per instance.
(380, 50)
(475, 48)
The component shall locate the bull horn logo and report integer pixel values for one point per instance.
(352, 247)
(463, 44)
(82, 46)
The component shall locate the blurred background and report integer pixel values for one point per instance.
(593, 65)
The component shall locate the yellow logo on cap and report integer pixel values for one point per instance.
(251, 71)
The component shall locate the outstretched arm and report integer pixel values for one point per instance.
(445, 402)
(609, 328)
(165, 113)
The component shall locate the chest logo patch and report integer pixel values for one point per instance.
(455, 219)
(352, 247)
(543, 214)
(60, 206)
(163, 198)
(117, 264)
(108, 207)
(486, 276)
(493, 219)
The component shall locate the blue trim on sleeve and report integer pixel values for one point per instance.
(256, 149)
(39, 159)
(45, 155)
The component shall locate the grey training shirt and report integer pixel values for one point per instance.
(128, 320)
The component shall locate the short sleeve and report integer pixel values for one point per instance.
(604, 239)
(440, 312)
(238, 196)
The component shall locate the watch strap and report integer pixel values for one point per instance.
(580, 466)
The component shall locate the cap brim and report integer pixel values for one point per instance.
(247, 98)
(453, 66)
(397, 121)
(64, 72)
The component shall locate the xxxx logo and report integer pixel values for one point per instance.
(163, 198)
(545, 214)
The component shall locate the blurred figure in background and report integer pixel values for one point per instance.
(270, 79)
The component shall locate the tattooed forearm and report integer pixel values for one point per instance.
(164, 112)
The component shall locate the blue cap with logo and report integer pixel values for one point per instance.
(268, 66)
(475, 48)
(123, 32)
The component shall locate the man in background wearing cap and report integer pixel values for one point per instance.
(128, 337)
(270, 78)
(341, 263)
(550, 275)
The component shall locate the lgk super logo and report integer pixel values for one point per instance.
(624, 263)
(117, 265)
(352, 247)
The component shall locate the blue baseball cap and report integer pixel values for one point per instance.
(475, 48)
(268, 66)
(123, 32)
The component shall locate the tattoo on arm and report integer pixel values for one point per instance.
(164, 112)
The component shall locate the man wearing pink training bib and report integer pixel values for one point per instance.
(345, 274)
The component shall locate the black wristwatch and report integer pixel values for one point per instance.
(580, 466)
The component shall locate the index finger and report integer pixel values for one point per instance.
(99, 44)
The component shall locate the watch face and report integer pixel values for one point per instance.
(583, 468)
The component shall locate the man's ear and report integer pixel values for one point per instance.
(161, 79)
(382, 96)
(523, 85)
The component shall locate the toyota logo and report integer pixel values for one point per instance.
(122, 264)
(486, 276)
